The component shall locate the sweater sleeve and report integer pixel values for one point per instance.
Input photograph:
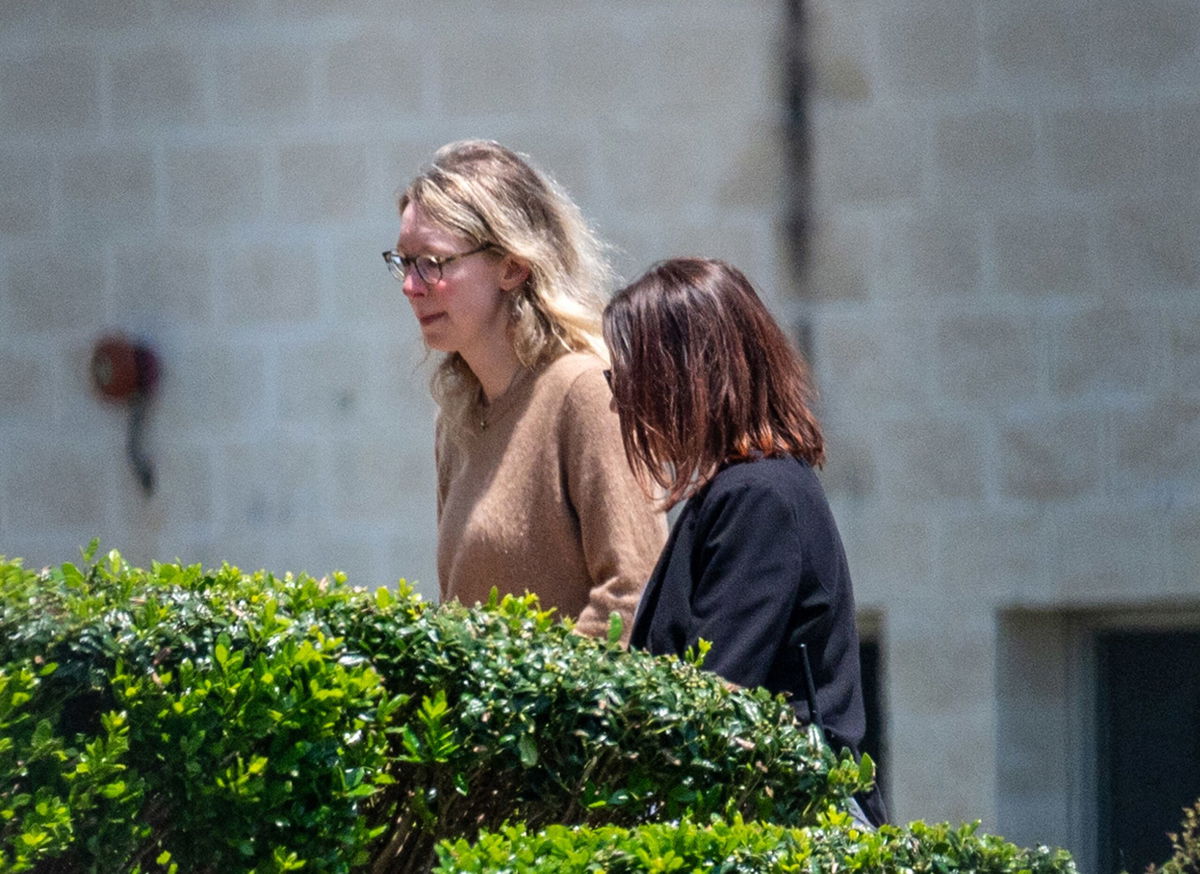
(621, 532)
(746, 569)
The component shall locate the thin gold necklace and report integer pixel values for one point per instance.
(485, 406)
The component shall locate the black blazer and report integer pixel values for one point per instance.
(754, 563)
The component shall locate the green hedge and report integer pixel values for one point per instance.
(176, 719)
(737, 847)
(1185, 844)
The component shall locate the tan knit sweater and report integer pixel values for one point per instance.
(537, 496)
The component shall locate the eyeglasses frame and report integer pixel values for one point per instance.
(395, 260)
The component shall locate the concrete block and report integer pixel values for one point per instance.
(841, 62)
(323, 182)
(192, 12)
(609, 72)
(1149, 243)
(879, 362)
(985, 151)
(832, 253)
(1043, 254)
(1157, 452)
(741, 242)
(947, 777)
(102, 16)
(270, 283)
(1110, 348)
(499, 67)
(107, 190)
(1184, 550)
(404, 158)
(756, 170)
(687, 73)
(1104, 556)
(26, 387)
(1184, 352)
(337, 379)
(1036, 45)
(1051, 457)
(941, 662)
(1099, 149)
(28, 13)
(1037, 722)
(376, 75)
(672, 166)
(183, 498)
(356, 10)
(164, 283)
(156, 86)
(48, 293)
(992, 555)
(361, 288)
(214, 186)
(929, 253)
(989, 360)
(271, 484)
(1176, 127)
(57, 488)
(412, 549)
(889, 550)
(850, 474)
(1155, 41)
(863, 154)
(54, 90)
(26, 192)
(941, 655)
(930, 459)
(636, 242)
(266, 85)
(372, 476)
(929, 47)
(212, 389)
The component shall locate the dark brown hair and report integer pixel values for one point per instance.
(703, 376)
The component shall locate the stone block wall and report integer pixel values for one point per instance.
(219, 179)
(1003, 297)
(1000, 291)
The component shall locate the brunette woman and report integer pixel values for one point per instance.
(507, 281)
(714, 409)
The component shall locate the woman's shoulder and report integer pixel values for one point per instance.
(769, 491)
(785, 477)
(573, 373)
(570, 365)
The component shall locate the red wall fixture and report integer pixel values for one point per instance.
(125, 372)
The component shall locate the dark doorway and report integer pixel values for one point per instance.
(1148, 735)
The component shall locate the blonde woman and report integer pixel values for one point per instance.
(534, 493)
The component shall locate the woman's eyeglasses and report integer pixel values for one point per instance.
(428, 267)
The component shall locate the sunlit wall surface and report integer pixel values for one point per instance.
(980, 217)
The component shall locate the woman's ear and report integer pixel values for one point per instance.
(513, 273)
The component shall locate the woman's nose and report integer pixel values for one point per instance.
(414, 286)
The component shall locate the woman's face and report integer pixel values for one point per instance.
(465, 311)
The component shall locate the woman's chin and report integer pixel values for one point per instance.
(436, 339)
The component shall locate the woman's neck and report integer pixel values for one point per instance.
(495, 369)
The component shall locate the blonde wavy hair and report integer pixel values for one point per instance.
(493, 195)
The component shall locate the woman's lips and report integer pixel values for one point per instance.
(430, 319)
